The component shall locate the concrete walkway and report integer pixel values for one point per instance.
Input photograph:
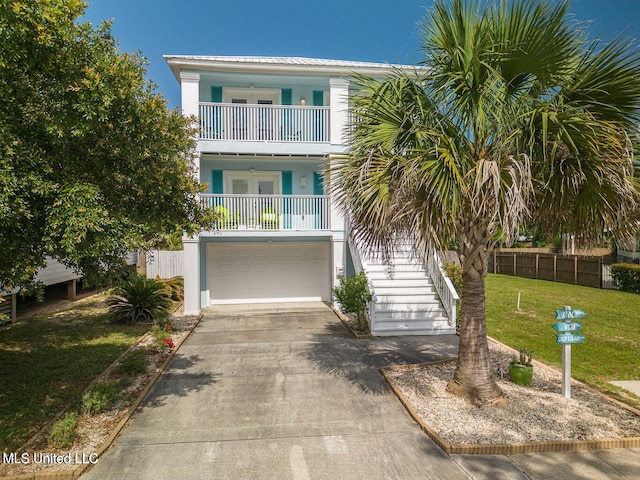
(283, 392)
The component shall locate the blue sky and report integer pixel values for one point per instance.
(368, 30)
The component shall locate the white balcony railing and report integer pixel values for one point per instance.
(260, 123)
(269, 212)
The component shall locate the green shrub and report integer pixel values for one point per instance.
(162, 334)
(65, 431)
(101, 396)
(626, 276)
(353, 296)
(135, 363)
(454, 272)
(175, 286)
(139, 300)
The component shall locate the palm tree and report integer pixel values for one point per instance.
(514, 115)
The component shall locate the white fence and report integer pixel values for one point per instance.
(164, 263)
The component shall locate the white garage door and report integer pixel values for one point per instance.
(267, 272)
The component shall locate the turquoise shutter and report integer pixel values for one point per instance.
(319, 127)
(286, 96)
(287, 183)
(285, 122)
(217, 186)
(318, 183)
(216, 94)
(216, 122)
(287, 189)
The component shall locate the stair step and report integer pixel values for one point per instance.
(398, 276)
(405, 299)
(401, 283)
(436, 326)
(405, 291)
(386, 315)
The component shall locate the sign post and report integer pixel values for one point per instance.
(566, 336)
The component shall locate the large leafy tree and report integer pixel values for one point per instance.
(513, 115)
(92, 162)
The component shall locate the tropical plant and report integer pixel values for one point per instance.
(175, 285)
(353, 296)
(139, 299)
(514, 114)
(523, 358)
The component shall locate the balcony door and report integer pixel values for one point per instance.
(255, 120)
(253, 211)
(253, 183)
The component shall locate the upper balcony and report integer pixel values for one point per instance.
(230, 122)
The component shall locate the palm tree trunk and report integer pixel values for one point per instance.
(474, 379)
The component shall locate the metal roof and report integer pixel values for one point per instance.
(281, 64)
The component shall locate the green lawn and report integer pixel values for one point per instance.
(611, 350)
(46, 362)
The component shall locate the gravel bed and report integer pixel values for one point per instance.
(536, 413)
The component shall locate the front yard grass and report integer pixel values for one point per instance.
(46, 363)
(611, 326)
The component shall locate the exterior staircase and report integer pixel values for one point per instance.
(407, 300)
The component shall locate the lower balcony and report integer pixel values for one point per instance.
(269, 212)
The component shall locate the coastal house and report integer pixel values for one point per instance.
(268, 127)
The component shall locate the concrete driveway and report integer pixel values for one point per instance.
(284, 392)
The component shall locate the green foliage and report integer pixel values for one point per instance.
(101, 396)
(175, 285)
(523, 358)
(65, 431)
(93, 163)
(162, 333)
(135, 363)
(454, 272)
(514, 114)
(139, 299)
(626, 276)
(353, 296)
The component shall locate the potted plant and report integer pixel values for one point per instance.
(520, 368)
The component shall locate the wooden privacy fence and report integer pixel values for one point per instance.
(579, 270)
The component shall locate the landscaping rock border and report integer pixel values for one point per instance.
(512, 448)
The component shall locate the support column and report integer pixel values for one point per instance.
(14, 307)
(190, 90)
(190, 99)
(71, 290)
(191, 273)
(339, 260)
(339, 113)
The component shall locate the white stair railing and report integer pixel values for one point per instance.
(443, 285)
